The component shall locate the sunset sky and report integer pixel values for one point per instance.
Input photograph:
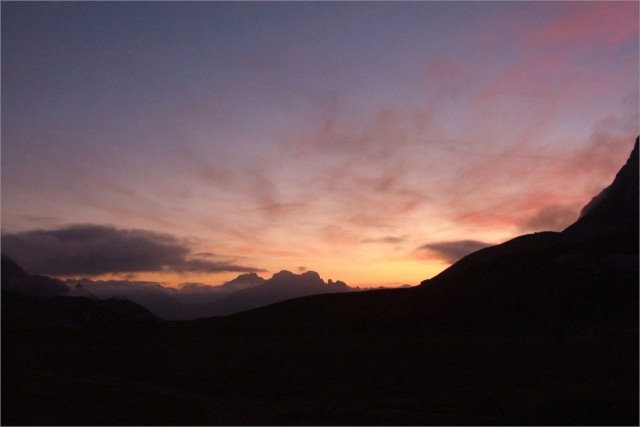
(374, 143)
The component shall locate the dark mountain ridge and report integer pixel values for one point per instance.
(610, 219)
(568, 281)
(71, 313)
(42, 300)
(16, 279)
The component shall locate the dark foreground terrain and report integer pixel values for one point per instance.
(542, 329)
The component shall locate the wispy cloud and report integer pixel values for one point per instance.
(386, 239)
(597, 22)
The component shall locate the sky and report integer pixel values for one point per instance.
(374, 143)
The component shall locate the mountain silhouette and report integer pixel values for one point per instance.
(80, 291)
(539, 330)
(282, 286)
(243, 281)
(16, 279)
(70, 313)
(202, 300)
(44, 300)
(612, 216)
(158, 299)
(584, 278)
(195, 300)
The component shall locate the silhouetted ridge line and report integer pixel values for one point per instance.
(610, 219)
(16, 279)
(615, 210)
(50, 304)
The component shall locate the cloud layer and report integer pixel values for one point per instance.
(97, 249)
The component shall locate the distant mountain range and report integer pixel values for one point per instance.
(190, 301)
(195, 300)
(539, 330)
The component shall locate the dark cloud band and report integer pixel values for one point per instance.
(452, 251)
(96, 249)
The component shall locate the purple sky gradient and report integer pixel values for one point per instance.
(337, 136)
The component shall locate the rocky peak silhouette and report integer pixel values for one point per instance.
(616, 205)
(246, 278)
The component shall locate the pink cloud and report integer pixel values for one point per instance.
(566, 54)
(595, 22)
(553, 81)
(554, 217)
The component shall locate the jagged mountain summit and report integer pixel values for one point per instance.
(284, 285)
(244, 279)
(80, 291)
(615, 211)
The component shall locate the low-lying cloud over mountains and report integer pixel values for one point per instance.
(194, 300)
(189, 301)
(85, 251)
